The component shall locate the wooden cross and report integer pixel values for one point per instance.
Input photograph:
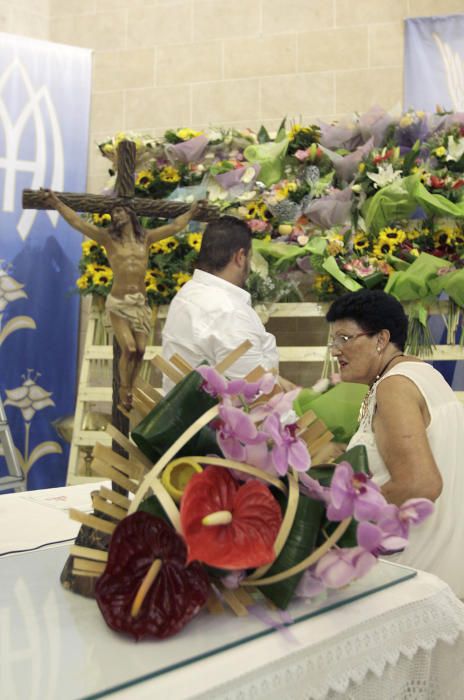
(100, 204)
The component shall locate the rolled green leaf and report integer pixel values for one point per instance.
(172, 416)
(270, 157)
(415, 282)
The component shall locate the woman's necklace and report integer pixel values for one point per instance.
(365, 404)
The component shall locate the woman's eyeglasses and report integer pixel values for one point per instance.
(341, 340)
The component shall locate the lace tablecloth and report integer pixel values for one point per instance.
(403, 643)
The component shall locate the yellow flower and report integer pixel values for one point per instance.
(407, 120)
(151, 276)
(103, 278)
(445, 235)
(412, 234)
(187, 134)
(101, 219)
(292, 187)
(181, 278)
(440, 151)
(361, 167)
(323, 283)
(89, 247)
(168, 245)
(83, 282)
(194, 240)
(415, 252)
(91, 268)
(296, 129)
(144, 178)
(108, 148)
(256, 210)
(396, 236)
(384, 248)
(120, 136)
(169, 174)
(361, 242)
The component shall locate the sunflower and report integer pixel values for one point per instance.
(83, 282)
(168, 245)
(361, 243)
(144, 178)
(92, 269)
(383, 248)
(194, 240)
(392, 235)
(445, 235)
(89, 247)
(157, 286)
(256, 210)
(101, 219)
(103, 278)
(169, 174)
(181, 278)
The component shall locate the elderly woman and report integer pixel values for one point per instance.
(411, 424)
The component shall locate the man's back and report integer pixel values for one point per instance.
(209, 318)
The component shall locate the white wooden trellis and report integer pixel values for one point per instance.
(87, 394)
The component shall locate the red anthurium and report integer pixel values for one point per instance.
(147, 589)
(227, 524)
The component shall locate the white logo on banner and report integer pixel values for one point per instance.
(37, 105)
(454, 69)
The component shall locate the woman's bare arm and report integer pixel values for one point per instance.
(400, 434)
(73, 219)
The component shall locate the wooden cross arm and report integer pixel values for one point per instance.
(99, 204)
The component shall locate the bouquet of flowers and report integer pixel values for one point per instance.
(233, 508)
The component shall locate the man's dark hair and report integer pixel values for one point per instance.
(373, 310)
(115, 229)
(221, 240)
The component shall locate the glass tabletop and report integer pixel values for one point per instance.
(55, 644)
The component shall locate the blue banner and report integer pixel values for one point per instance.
(434, 76)
(434, 63)
(44, 123)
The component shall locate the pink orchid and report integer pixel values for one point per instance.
(397, 520)
(310, 585)
(236, 430)
(280, 403)
(312, 488)
(339, 567)
(250, 390)
(214, 383)
(287, 450)
(354, 494)
(378, 541)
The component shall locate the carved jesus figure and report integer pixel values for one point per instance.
(127, 246)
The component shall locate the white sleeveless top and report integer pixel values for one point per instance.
(437, 545)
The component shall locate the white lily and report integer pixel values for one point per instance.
(455, 149)
(385, 176)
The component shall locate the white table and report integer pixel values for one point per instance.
(404, 642)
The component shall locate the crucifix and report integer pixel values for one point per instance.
(127, 246)
(125, 208)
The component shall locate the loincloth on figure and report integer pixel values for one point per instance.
(133, 308)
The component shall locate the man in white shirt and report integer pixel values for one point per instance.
(212, 313)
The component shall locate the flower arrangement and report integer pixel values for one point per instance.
(240, 510)
(353, 204)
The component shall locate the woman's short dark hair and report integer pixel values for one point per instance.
(373, 310)
(221, 240)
